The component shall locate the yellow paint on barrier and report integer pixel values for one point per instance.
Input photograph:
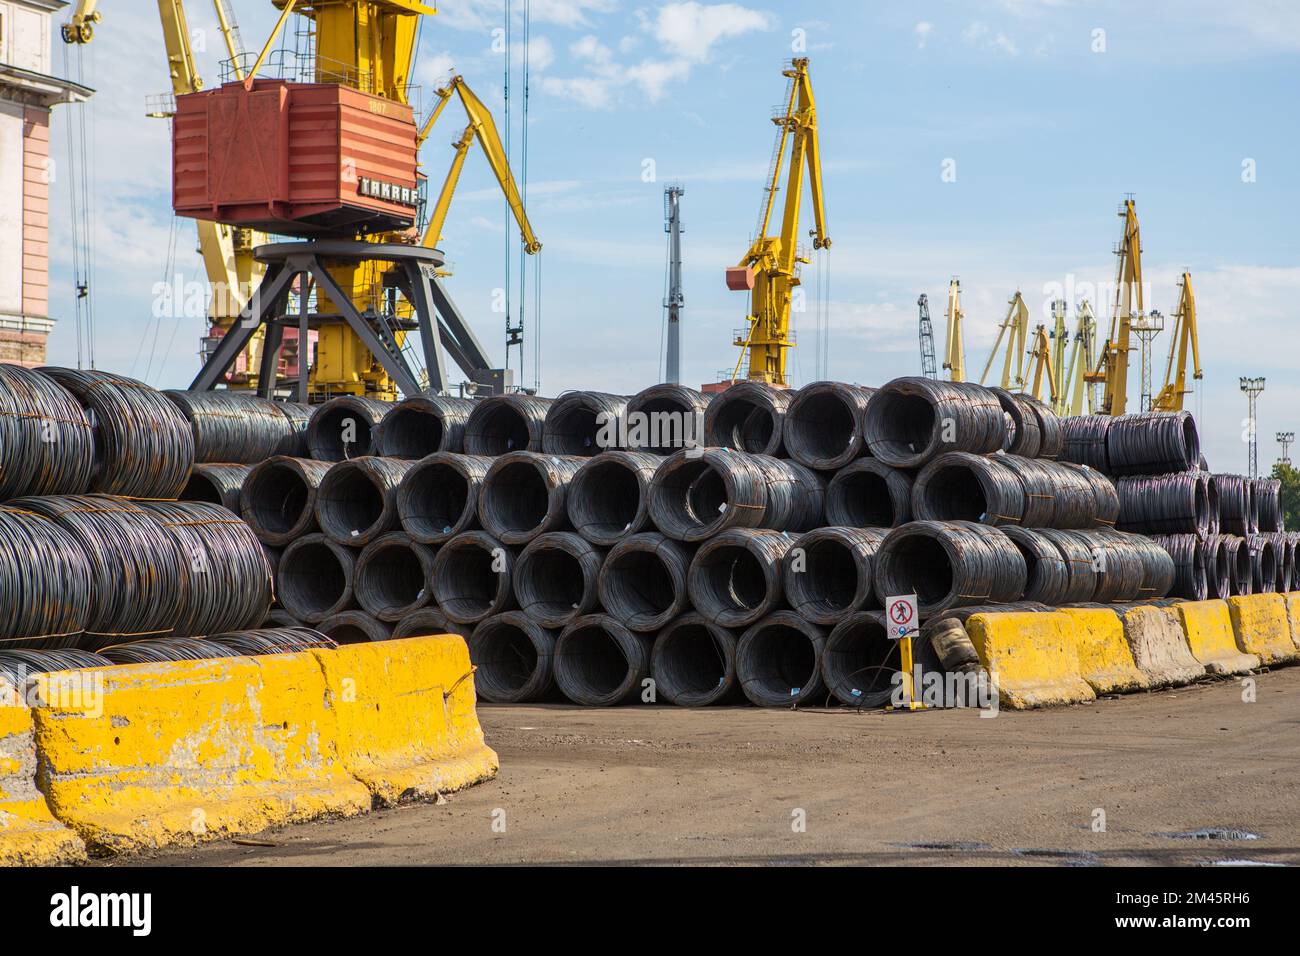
(195, 750)
(1207, 626)
(1031, 658)
(1261, 627)
(1155, 636)
(29, 834)
(406, 717)
(1105, 660)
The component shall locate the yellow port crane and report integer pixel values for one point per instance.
(954, 355)
(1041, 367)
(1170, 397)
(1015, 329)
(1112, 370)
(769, 270)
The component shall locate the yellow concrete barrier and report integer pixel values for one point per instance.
(406, 717)
(1260, 624)
(1293, 615)
(1155, 636)
(1031, 658)
(1207, 625)
(196, 750)
(29, 834)
(1105, 660)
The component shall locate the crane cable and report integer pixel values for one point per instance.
(82, 215)
(505, 247)
(523, 195)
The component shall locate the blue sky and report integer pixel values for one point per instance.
(1047, 134)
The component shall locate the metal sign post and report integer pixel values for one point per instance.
(903, 620)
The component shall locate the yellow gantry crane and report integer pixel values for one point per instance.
(1170, 397)
(769, 270)
(1015, 329)
(1112, 370)
(954, 356)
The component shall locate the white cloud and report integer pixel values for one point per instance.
(568, 13)
(980, 35)
(654, 75)
(591, 49)
(922, 31)
(592, 92)
(689, 30)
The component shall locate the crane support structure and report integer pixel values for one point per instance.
(1015, 329)
(769, 270)
(1113, 368)
(1170, 397)
(1075, 391)
(929, 368)
(954, 358)
(1041, 367)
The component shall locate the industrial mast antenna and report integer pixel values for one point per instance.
(675, 300)
(1252, 387)
(1285, 439)
(929, 367)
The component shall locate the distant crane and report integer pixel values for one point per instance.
(928, 366)
(1074, 387)
(1040, 368)
(954, 358)
(1015, 329)
(1112, 370)
(1060, 339)
(675, 300)
(1170, 398)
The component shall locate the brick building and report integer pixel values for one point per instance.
(28, 92)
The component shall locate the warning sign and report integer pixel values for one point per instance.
(902, 615)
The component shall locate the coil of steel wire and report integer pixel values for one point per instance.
(1164, 504)
(273, 640)
(1047, 575)
(1106, 498)
(232, 426)
(1234, 503)
(524, 494)
(693, 662)
(1288, 582)
(421, 425)
(356, 500)
(391, 576)
(959, 486)
(1081, 576)
(1214, 523)
(1051, 436)
(1191, 576)
(1263, 564)
(609, 496)
(1056, 494)
(429, 620)
(279, 617)
(1218, 567)
(796, 495)
(779, 661)
(912, 420)
(164, 650)
(665, 418)
(828, 572)
(1158, 570)
(695, 495)
(859, 663)
(749, 416)
(513, 656)
(47, 445)
(355, 627)
(217, 484)
(504, 423)
(556, 578)
(344, 427)
(1023, 436)
(1117, 564)
(736, 576)
(45, 582)
(1285, 559)
(869, 494)
(315, 578)
(438, 496)
(600, 663)
(1153, 443)
(1268, 504)
(1084, 441)
(823, 424)
(299, 418)
(17, 665)
(584, 424)
(642, 583)
(278, 499)
(143, 444)
(949, 563)
(472, 576)
(1239, 564)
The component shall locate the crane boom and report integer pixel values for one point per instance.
(1113, 368)
(1170, 397)
(928, 366)
(1015, 329)
(954, 351)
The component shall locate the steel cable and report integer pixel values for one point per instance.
(959, 486)
(356, 500)
(827, 572)
(609, 496)
(1218, 567)
(505, 423)
(231, 426)
(514, 657)
(1023, 436)
(1084, 441)
(438, 496)
(1164, 504)
(779, 660)
(355, 627)
(1047, 575)
(869, 494)
(45, 582)
(670, 417)
(1081, 576)
(912, 420)
(429, 620)
(524, 494)
(822, 427)
(421, 425)
(217, 484)
(642, 583)
(1191, 578)
(391, 576)
(47, 445)
(1153, 443)
(693, 662)
(600, 663)
(749, 416)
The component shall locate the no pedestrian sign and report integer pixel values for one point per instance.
(901, 611)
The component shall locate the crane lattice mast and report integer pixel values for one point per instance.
(929, 366)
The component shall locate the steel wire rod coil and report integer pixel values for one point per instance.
(1023, 436)
(822, 428)
(1263, 564)
(779, 661)
(912, 420)
(513, 656)
(1047, 574)
(1239, 564)
(315, 578)
(1235, 504)
(1106, 498)
(505, 423)
(749, 416)
(959, 486)
(472, 576)
(1084, 441)
(356, 627)
(47, 445)
(556, 578)
(421, 425)
(1153, 443)
(524, 494)
(1159, 572)
(609, 496)
(1285, 551)
(1051, 434)
(344, 427)
(1057, 494)
(299, 417)
(279, 617)
(1117, 564)
(46, 582)
(217, 484)
(274, 640)
(949, 563)
(356, 500)
(583, 424)
(860, 664)
(1192, 562)
(1164, 504)
(693, 662)
(143, 444)
(166, 650)
(1218, 566)
(642, 583)
(278, 499)
(796, 495)
(429, 620)
(391, 576)
(869, 494)
(1214, 522)
(438, 496)
(827, 572)
(1081, 576)
(600, 663)
(735, 577)
(231, 426)
(16, 664)
(669, 417)
(1268, 505)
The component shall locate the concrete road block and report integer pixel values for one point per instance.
(1031, 658)
(29, 834)
(192, 751)
(1208, 629)
(1261, 626)
(1160, 650)
(1105, 660)
(406, 717)
(1293, 615)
